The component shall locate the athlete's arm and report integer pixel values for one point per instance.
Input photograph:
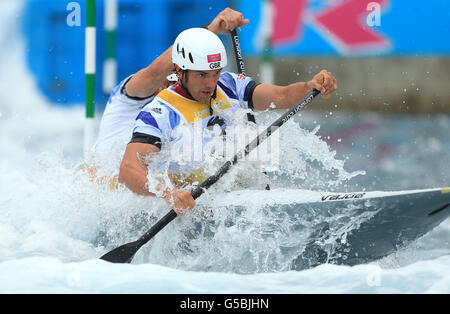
(284, 97)
(133, 173)
(133, 170)
(147, 81)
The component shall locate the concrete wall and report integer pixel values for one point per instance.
(401, 85)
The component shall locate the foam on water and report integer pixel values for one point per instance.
(50, 275)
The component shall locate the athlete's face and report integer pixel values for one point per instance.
(201, 84)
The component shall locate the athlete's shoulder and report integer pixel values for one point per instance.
(118, 89)
(119, 96)
(237, 84)
(233, 80)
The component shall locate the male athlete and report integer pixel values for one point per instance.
(203, 95)
(130, 96)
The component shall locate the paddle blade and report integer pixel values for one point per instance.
(122, 254)
(125, 253)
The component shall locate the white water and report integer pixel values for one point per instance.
(55, 223)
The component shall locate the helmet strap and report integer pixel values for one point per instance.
(184, 75)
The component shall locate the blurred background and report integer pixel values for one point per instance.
(390, 57)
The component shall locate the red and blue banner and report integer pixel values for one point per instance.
(348, 27)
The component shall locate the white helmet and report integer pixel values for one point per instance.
(172, 77)
(199, 49)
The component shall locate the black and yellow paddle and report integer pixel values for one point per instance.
(239, 61)
(126, 252)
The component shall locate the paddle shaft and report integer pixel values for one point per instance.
(238, 52)
(240, 64)
(241, 70)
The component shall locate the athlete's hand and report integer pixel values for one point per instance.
(324, 82)
(180, 201)
(226, 21)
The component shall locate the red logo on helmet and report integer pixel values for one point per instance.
(214, 58)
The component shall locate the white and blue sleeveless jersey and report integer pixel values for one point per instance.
(117, 123)
(165, 118)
